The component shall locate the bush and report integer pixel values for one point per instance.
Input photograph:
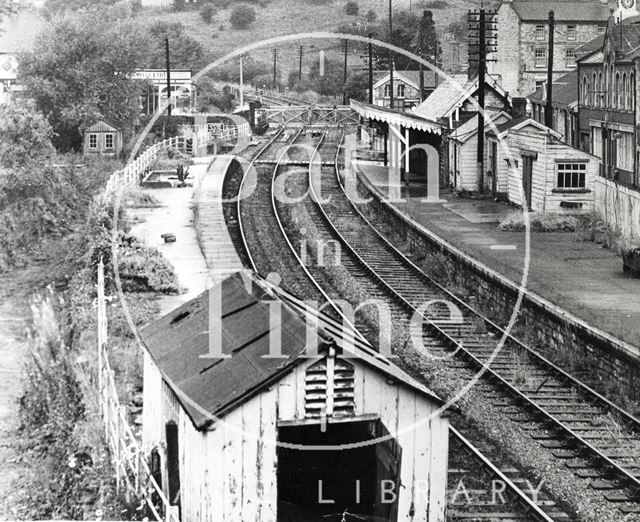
(179, 5)
(371, 15)
(351, 8)
(242, 16)
(514, 222)
(207, 13)
(433, 4)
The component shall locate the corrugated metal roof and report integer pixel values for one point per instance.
(216, 386)
(102, 126)
(532, 10)
(407, 119)
(452, 93)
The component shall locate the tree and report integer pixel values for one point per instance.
(371, 15)
(207, 13)
(77, 74)
(185, 51)
(351, 8)
(25, 135)
(242, 16)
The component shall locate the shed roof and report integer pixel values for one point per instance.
(103, 126)
(469, 128)
(534, 11)
(209, 387)
(452, 93)
(565, 91)
(522, 122)
(410, 77)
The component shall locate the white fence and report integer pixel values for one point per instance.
(133, 475)
(135, 170)
(619, 205)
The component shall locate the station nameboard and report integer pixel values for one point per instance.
(159, 74)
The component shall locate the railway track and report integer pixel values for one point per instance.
(597, 440)
(468, 464)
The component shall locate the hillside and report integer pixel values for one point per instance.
(281, 17)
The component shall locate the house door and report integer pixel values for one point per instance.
(527, 179)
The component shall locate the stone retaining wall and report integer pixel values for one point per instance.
(614, 364)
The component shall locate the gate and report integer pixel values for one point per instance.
(318, 115)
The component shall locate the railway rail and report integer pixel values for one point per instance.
(482, 465)
(562, 414)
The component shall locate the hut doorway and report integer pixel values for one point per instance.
(320, 485)
(173, 463)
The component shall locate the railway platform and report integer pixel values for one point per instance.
(582, 278)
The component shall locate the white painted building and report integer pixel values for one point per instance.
(227, 436)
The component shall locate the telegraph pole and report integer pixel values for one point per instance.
(422, 28)
(482, 65)
(166, 47)
(344, 77)
(390, 56)
(548, 108)
(300, 66)
(275, 68)
(370, 70)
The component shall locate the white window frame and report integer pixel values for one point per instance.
(386, 93)
(570, 57)
(113, 141)
(93, 140)
(543, 57)
(539, 32)
(575, 172)
(400, 90)
(571, 32)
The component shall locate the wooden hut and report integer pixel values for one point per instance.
(103, 138)
(534, 167)
(321, 425)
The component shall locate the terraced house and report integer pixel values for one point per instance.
(523, 36)
(607, 107)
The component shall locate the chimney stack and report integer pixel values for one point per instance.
(519, 107)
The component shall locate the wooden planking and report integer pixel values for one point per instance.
(269, 436)
(406, 437)
(439, 434)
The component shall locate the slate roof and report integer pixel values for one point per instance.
(219, 385)
(413, 77)
(565, 91)
(18, 31)
(451, 93)
(535, 11)
(470, 128)
(524, 121)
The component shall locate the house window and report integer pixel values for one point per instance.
(93, 141)
(108, 141)
(572, 175)
(570, 57)
(598, 89)
(617, 97)
(387, 91)
(624, 153)
(540, 57)
(585, 91)
(539, 32)
(571, 32)
(400, 90)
